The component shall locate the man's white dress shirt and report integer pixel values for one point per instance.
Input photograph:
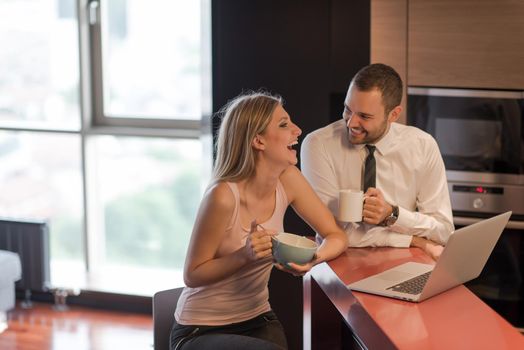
(410, 174)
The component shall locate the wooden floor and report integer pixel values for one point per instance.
(42, 328)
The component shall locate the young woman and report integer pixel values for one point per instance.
(225, 304)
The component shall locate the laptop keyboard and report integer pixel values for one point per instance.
(412, 286)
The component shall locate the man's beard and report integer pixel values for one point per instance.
(368, 138)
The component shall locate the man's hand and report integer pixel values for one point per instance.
(431, 248)
(376, 209)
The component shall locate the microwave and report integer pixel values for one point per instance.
(480, 134)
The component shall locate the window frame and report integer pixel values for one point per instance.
(92, 74)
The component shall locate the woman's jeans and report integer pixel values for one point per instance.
(264, 332)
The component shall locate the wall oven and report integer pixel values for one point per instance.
(480, 134)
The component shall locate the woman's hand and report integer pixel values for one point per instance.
(297, 269)
(258, 243)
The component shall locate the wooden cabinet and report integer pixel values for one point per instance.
(451, 43)
(466, 43)
(389, 38)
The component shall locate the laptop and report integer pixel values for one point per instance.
(462, 260)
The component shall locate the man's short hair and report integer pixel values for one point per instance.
(385, 79)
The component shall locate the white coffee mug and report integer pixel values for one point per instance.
(350, 205)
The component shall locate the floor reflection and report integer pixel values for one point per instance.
(78, 328)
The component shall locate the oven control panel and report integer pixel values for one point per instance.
(478, 189)
(482, 198)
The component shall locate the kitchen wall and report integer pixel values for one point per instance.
(305, 50)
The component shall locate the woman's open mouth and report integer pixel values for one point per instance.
(292, 144)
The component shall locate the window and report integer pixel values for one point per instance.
(39, 72)
(40, 178)
(159, 41)
(105, 133)
(145, 193)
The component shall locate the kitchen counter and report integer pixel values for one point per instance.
(455, 319)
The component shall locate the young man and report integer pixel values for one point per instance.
(407, 200)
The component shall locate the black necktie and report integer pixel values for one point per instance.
(370, 171)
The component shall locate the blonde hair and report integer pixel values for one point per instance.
(243, 118)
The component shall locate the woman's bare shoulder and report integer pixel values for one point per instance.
(220, 196)
(290, 174)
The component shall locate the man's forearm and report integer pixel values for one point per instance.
(436, 227)
(429, 247)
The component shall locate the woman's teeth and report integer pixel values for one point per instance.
(294, 143)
